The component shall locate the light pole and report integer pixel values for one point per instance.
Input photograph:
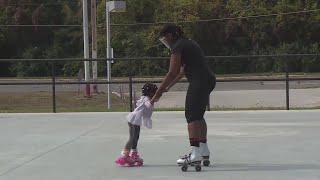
(111, 6)
(86, 46)
(94, 45)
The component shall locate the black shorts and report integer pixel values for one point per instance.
(197, 99)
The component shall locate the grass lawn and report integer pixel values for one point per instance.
(65, 102)
(41, 102)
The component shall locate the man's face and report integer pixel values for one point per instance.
(167, 40)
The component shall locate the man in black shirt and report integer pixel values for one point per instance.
(187, 58)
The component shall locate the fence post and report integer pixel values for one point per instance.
(134, 99)
(120, 92)
(287, 86)
(54, 110)
(130, 85)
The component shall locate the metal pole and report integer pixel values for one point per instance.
(54, 110)
(134, 99)
(94, 44)
(287, 86)
(86, 46)
(122, 93)
(108, 52)
(130, 85)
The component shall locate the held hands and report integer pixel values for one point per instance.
(155, 98)
(158, 94)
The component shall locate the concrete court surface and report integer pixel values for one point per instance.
(255, 145)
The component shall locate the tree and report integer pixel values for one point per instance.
(294, 33)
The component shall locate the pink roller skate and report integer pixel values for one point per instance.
(134, 156)
(125, 159)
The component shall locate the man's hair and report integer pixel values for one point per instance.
(173, 29)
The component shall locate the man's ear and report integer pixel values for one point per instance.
(170, 38)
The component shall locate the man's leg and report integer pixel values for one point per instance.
(203, 139)
(193, 133)
(195, 153)
(191, 113)
(202, 125)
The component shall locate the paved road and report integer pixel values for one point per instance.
(249, 99)
(277, 145)
(226, 94)
(223, 86)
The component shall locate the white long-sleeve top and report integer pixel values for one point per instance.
(142, 113)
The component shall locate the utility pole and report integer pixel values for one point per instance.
(108, 52)
(94, 44)
(86, 46)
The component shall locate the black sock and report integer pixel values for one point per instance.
(194, 142)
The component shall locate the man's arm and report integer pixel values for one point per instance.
(180, 76)
(174, 69)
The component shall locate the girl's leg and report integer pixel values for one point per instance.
(135, 136)
(125, 154)
(131, 137)
(134, 153)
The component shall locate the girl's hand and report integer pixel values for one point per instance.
(156, 97)
(153, 100)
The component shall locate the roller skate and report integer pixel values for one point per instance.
(135, 157)
(125, 159)
(193, 159)
(205, 154)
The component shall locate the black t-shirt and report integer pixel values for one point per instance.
(192, 58)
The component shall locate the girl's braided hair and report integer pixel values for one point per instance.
(149, 89)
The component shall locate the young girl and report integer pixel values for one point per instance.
(140, 116)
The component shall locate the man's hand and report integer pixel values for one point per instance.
(156, 97)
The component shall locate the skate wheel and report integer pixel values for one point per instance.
(206, 163)
(184, 168)
(139, 163)
(198, 168)
(130, 164)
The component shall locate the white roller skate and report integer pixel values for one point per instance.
(205, 152)
(193, 159)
